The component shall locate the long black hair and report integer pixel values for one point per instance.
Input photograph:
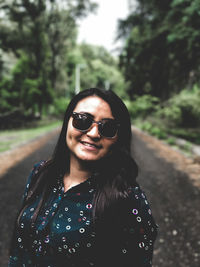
(113, 176)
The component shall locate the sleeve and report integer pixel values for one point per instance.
(18, 256)
(139, 231)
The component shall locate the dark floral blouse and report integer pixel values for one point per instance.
(64, 235)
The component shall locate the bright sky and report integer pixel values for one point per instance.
(100, 28)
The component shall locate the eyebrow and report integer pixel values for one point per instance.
(83, 112)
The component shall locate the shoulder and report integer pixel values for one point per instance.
(138, 202)
(137, 197)
(138, 213)
(35, 169)
(33, 173)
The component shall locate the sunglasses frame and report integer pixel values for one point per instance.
(97, 122)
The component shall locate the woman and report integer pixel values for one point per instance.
(83, 207)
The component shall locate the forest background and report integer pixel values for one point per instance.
(157, 73)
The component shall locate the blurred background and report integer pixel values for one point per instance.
(148, 52)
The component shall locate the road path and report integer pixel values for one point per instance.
(173, 197)
(11, 189)
(175, 203)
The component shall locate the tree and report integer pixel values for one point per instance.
(43, 31)
(62, 33)
(100, 68)
(162, 46)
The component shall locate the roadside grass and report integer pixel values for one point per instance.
(10, 139)
(169, 135)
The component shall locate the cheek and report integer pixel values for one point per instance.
(72, 136)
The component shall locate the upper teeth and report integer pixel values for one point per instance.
(87, 144)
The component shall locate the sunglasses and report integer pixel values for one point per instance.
(106, 127)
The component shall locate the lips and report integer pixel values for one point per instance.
(89, 144)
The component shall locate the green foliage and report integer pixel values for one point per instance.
(179, 116)
(187, 146)
(99, 69)
(161, 54)
(91, 52)
(171, 141)
(10, 139)
(190, 134)
(39, 34)
(183, 109)
(142, 106)
(30, 92)
(154, 130)
(171, 113)
(59, 106)
(6, 96)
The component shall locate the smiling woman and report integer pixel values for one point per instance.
(83, 207)
(88, 144)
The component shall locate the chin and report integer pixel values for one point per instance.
(90, 159)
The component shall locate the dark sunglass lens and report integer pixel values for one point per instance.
(108, 128)
(81, 122)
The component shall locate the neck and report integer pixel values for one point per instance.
(77, 174)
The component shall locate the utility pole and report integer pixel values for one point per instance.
(77, 77)
(107, 85)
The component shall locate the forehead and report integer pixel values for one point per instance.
(95, 106)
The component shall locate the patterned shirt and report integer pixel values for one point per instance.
(63, 234)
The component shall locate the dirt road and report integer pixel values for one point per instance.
(174, 200)
(11, 189)
(175, 203)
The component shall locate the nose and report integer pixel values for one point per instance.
(93, 132)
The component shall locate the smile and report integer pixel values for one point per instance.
(90, 145)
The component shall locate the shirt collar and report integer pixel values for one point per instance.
(85, 186)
